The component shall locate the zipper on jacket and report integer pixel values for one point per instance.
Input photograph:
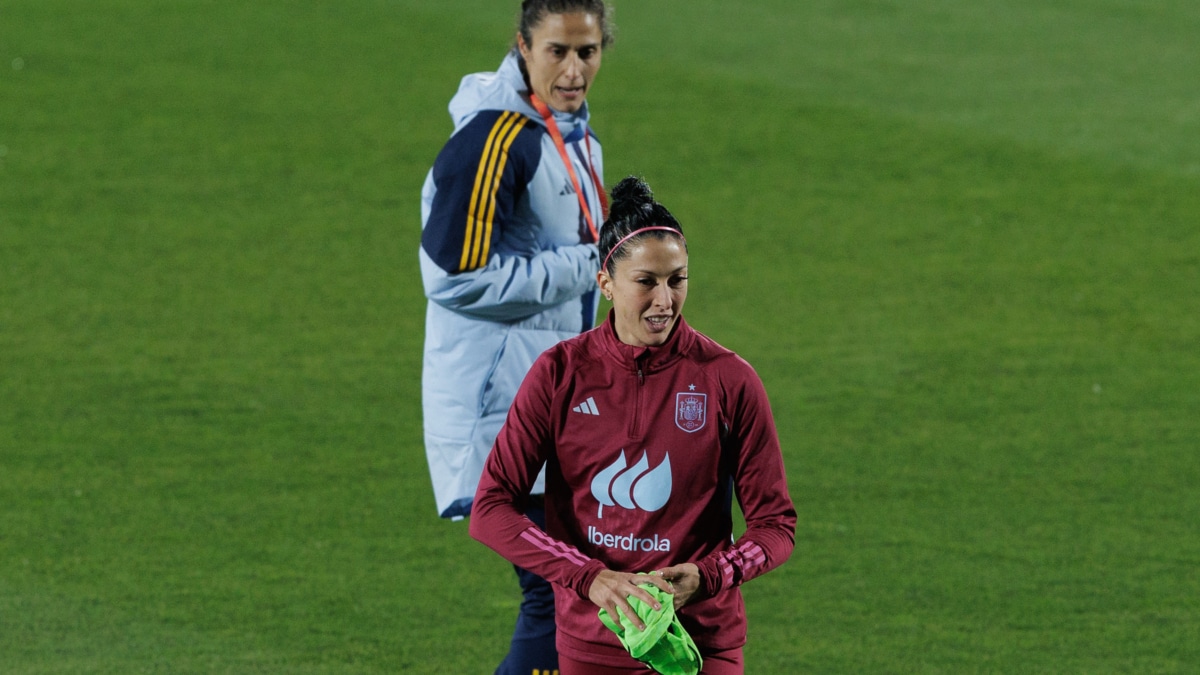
(637, 403)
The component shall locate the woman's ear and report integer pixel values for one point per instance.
(605, 283)
(522, 47)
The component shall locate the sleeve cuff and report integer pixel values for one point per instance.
(710, 577)
(582, 580)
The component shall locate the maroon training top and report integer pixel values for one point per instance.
(644, 450)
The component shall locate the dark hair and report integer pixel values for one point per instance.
(533, 11)
(633, 208)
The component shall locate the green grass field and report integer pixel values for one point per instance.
(959, 242)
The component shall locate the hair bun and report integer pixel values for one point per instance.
(631, 193)
(631, 211)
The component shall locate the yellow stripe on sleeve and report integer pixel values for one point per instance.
(490, 215)
(481, 194)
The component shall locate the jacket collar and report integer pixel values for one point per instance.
(646, 359)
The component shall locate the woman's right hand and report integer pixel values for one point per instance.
(611, 591)
(684, 581)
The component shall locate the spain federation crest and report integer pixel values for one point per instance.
(690, 411)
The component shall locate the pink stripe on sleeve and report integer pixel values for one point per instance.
(726, 571)
(740, 563)
(754, 553)
(555, 548)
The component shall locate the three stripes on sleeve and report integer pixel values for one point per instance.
(478, 175)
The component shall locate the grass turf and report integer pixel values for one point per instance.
(957, 242)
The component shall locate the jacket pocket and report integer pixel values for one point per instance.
(492, 396)
(516, 355)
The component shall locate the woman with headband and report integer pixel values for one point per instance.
(648, 431)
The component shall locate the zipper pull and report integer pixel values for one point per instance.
(641, 379)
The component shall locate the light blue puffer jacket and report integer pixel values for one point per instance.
(508, 264)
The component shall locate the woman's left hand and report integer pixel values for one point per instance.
(685, 579)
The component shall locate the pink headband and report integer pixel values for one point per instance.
(635, 233)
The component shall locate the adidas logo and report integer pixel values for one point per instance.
(567, 189)
(588, 407)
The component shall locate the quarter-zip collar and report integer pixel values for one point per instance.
(646, 360)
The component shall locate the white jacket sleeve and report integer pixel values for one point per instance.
(510, 288)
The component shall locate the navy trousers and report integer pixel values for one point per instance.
(532, 651)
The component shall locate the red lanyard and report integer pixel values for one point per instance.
(555, 134)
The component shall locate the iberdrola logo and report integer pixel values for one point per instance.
(636, 487)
